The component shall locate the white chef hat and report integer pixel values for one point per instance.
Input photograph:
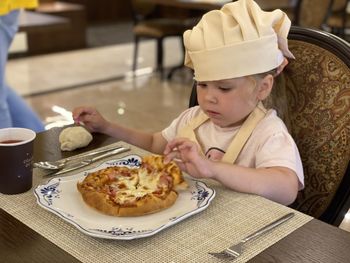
(238, 40)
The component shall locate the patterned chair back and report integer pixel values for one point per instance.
(314, 100)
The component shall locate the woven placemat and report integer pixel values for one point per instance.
(230, 217)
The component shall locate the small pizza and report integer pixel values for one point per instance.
(123, 191)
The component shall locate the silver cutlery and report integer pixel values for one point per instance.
(56, 165)
(92, 160)
(236, 250)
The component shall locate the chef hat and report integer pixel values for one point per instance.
(238, 40)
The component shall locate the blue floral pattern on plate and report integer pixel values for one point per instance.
(49, 192)
(60, 196)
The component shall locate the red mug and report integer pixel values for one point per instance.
(16, 160)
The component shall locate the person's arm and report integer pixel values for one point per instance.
(153, 142)
(95, 122)
(279, 184)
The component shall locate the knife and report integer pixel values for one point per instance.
(90, 161)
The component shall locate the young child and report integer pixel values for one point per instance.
(230, 137)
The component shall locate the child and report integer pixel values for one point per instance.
(230, 137)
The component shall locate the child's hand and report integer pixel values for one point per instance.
(186, 154)
(91, 118)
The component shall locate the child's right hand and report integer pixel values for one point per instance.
(91, 118)
(186, 154)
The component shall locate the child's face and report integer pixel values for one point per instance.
(229, 102)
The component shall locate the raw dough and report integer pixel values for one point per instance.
(74, 137)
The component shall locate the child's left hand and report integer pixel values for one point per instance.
(186, 154)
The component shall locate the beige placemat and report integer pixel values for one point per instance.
(230, 217)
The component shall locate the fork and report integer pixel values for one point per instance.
(236, 250)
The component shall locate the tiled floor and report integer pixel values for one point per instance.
(40, 74)
(144, 103)
(54, 84)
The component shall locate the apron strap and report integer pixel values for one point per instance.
(238, 141)
(244, 133)
(188, 130)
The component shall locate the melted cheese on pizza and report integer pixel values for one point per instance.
(148, 181)
(129, 189)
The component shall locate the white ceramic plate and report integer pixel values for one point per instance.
(61, 197)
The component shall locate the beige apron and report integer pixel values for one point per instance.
(238, 141)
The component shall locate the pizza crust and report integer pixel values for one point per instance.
(149, 204)
(98, 201)
(146, 205)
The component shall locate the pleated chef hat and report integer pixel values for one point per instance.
(238, 40)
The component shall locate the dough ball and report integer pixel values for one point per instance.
(74, 137)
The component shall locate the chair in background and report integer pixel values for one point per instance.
(312, 96)
(311, 13)
(149, 24)
(338, 19)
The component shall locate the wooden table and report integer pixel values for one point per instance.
(54, 26)
(209, 5)
(36, 22)
(313, 242)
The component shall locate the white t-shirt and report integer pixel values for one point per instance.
(269, 145)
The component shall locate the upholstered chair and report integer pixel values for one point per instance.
(317, 94)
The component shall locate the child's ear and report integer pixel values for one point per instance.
(265, 87)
